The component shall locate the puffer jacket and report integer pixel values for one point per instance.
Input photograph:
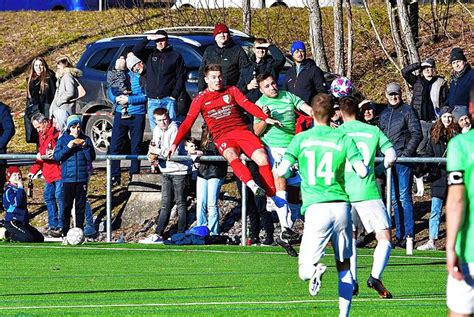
(439, 184)
(14, 201)
(402, 127)
(231, 57)
(75, 161)
(50, 168)
(7, 129)
(136, 100)
(307, 83)
(66, 90)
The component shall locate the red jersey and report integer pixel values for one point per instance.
(221, 112)
(51, 169)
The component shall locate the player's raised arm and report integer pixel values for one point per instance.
(188, 122)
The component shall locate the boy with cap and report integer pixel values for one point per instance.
(462, 79)
(75, 152)
(16, 216)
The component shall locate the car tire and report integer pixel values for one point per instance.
(99, 129)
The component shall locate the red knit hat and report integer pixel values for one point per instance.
(220, 28)
(11, 170)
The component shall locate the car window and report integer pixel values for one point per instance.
(101, 59)
(192, 59)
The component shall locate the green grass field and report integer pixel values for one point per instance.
(133, 279)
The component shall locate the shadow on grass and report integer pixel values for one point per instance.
(419, 264)
(136, 290)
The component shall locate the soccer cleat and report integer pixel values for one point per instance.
(153, 239)
(288, 234)
(315, 281)
(355, 290)
(288, 248)
(428, 246)
(257, 190)
(377, 285)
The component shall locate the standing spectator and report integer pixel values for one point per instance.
(175, 174)
(41, 87)
(67, 86)
(226, 53)
(429, 93)
(461, 117)
(48, 137)
(7, 131)
(75, 152)
(165, 75)
(462, 79)
(260, 63)
(400, 124)
(16, 207)
(133, 126)
(367, 112)
(443, 130)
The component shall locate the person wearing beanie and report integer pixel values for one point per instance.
(462, 79)
(16, 209)
(400, 124)
(461, 117)
(166, 75)
(224, 52)
(75, 151)
(7, 131)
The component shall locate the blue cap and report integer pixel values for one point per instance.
(298, 45)
(73, 119)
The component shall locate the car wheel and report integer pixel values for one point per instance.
(99, 129)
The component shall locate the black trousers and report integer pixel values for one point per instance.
(3, 170)
(173, 190)
(74, 193)
(23, 232)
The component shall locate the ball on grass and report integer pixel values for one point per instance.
(75, 236)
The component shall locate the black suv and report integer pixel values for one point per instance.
(100, 56)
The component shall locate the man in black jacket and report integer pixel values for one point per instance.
(7, 131)
(400, 124)
(226, 53)
(165, 75)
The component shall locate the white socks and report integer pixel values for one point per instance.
(345, 285)
(354, 260)
(282, 211)
(381, 256)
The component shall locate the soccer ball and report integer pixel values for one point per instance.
(341, 87)
(75, 236)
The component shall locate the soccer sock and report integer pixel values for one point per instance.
(281, 208)
(266, 177)
(381, 256)
(345, 285)
(241, 171)
(354, 260)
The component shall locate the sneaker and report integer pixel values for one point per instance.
(315, 281)
(153, 239)
(377, 285)
(428, 246)
(268, 242)
(54, 233)
(288, 248)
(355, 290)
(288, 234)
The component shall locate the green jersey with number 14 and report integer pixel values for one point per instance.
(460, 167)
(368, 139)
(321, 153)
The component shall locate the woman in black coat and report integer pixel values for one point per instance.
(443, 130)
(41, 87)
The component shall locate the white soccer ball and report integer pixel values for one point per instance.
(341, 87)
(75, 236)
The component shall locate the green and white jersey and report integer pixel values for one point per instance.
(368, 139)
(282, 108)
(321, 153)
(460, 168)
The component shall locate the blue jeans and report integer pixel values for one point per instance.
(167, 103)
(54, 203)
(207, 195)
(402, 179)
(435, 216)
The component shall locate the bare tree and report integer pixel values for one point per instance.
(349, 38)
(246, 16)
(395, 30)
(338, 37)
(316, 34)
(407, 34)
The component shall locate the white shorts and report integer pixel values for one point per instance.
(275, 156)
(323, 223)
(372, 214)
(460, 294)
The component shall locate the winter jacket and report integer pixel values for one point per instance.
(38, 101)
(307, 83)
(7, 129)
(14, 202)
(437, 171)
(459, 88)
(270, 64)
(231, 57)
(50, 168)
(166, 72)
(402, 127)
(136, 100)
(428, 95)
(66, 90)
(75, 161)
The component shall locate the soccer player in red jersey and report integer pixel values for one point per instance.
(220, 108)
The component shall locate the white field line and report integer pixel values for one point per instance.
(419, 299)
(196, 251)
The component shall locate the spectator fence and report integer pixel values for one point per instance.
(110, 158)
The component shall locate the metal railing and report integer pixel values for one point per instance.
(204, 158)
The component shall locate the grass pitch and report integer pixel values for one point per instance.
(133, 279)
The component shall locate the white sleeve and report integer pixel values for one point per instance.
(284, 169)
(360, 169)
(390, 157)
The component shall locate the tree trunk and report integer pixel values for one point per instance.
(246, 17)
(349, 38)
(407, 35)
(316, 34)
(395, 30)
(338, 37)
